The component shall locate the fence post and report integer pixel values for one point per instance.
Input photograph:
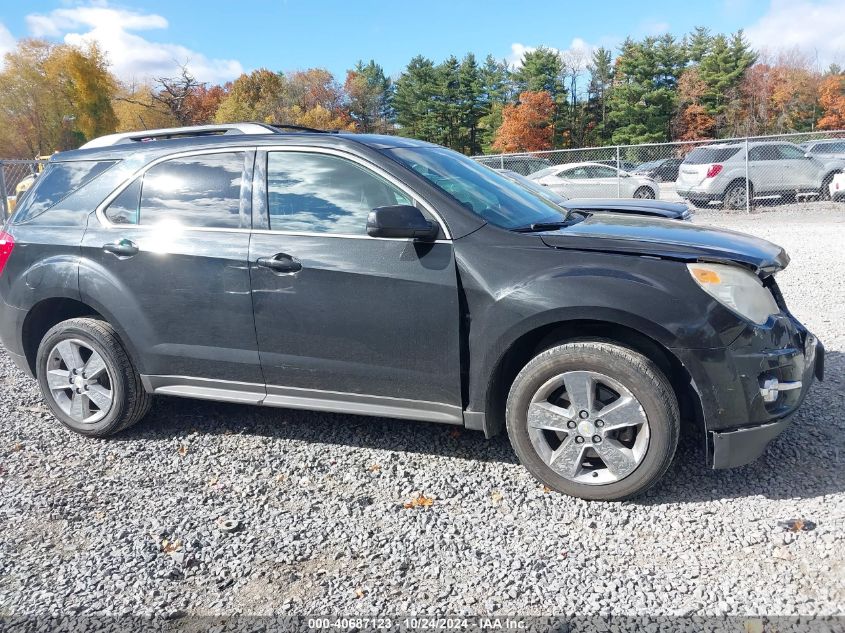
(5, 201)
(747, 181)
(502, 160)
(618, 175)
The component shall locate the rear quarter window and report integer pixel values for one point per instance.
(704, 155)
(58, 181)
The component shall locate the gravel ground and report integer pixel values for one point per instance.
(131, 525)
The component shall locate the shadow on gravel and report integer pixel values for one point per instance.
(807, 460)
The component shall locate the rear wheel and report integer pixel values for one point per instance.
(88, 380)
(736, 196)
(593, 420)
(645, 193)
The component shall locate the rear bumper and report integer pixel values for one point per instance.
(698, 196)
(11, 326)
(739, 419)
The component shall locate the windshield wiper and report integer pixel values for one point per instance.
(537, 227)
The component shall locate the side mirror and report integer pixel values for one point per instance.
(401, 220)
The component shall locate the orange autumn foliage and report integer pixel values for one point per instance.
(832, 99)
(527, 126)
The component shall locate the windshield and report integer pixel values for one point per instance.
(540, 190)
(650, 165)
(483, 191)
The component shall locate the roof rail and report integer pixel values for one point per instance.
(181, 132)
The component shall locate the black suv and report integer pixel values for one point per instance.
(385, 276)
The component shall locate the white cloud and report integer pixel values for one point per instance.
(815, 27)
(132, 56)
(578, 49)
(7, 42)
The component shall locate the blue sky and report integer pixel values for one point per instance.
(220, 39)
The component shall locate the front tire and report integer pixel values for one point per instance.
(88, 380)
(646, 193)
(593, 420)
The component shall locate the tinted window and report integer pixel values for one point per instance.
(765, 152)
(704, 155)
(828, 148)
(319, 193)
(58, 181)
(483, 191)
(124, 208)
(602, 172)
(791, 152)
(197, 191)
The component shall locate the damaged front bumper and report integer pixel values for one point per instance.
(750, 390)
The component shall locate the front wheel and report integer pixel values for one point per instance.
(88, 380)
(645, 193)
(593, 420)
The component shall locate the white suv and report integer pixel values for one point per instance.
(776, 171)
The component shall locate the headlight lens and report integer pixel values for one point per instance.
(737, 289)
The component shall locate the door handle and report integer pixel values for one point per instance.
(122, 248)
(280, 263)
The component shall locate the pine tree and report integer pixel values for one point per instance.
(368, 92)
(413, 100)
(601, 78)
(643, 99)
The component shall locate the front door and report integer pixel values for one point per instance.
(166, 259)
(346, 321)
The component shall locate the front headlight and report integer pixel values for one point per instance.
(737, 289)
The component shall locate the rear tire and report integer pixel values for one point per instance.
(88, 380)
(736, 196)
(584, 455)
(645, 193)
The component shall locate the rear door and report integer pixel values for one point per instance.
(165, 258)
(352, 322)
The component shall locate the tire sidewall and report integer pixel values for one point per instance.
(663, 423)
(118, 380)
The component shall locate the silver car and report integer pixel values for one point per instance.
(777, 171)
(592, 180)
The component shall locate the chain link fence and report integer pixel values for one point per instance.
(16, 177)
(733, 174)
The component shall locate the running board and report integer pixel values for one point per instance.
(307, 399)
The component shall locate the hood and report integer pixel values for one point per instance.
(683, 241)
(638, 206)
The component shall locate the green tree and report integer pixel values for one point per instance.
(721, 70)
(496, 91)
(601, 80)
(368, 91)
(413, 101)
(643, 99)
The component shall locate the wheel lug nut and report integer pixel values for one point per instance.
(571, 424)
(584, 414)
(579, 440)
(599, 423)
(596, 439)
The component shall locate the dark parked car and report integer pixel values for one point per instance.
(385, 276)
(663, 170)
(523, 165)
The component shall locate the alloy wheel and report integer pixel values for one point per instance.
(79, 381)
(588, 427)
